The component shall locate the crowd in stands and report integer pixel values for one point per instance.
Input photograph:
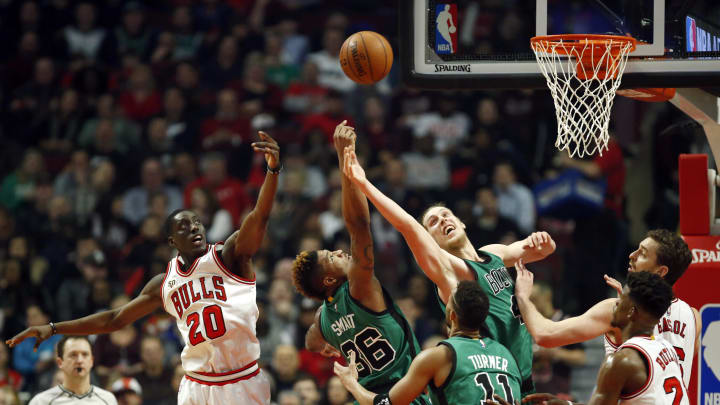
(115, 113)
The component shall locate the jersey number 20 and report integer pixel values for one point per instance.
(372, 352)
(212, 321)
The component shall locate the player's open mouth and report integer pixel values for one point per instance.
(197, 240)
(449, 229)
(79, 370)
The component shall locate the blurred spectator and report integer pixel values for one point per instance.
(61, 133)
(447, 126)
(294, 44)
(75, 360)
(308, 390)
(180, 125)
(140, 100)
(305, 95)
(30, 105)
(155, 377)
(421, 324)
(228, 129)
(331, 74)
(19, 186)
(229, 192)
(84, 38)
(74, 183)
(128, 391)
(187, 40)
(118, 353)
(375, 126)
(289, 397)
(515, 200)
(8, 376)
(284, 368)
(426, 168)
(184, 170)
(218, 221)
(278, 72)
(74, 295)
(257, 95)
(225, 67)
(136, 200)
(489, 225)
(335, 393)
(19, 68)
(126, 133)
(9, 396)
(160, 145)
(330, 116)
(26, 360)
(331, 220)
(133, 35)
(552, 367)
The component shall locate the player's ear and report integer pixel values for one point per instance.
(171, 241)
(329, 281)
(662, 271)
(58, 361)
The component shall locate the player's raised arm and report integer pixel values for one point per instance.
(244, 242)
(535, 247)
(436, 263)
(423, 369)
(146, 302)
(357, 218)
(547, 333)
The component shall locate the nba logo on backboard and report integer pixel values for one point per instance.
(691, 34)
(445, 28)
(709, 355)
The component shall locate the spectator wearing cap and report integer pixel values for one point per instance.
(74, 295)
(128, 391)
(75, 360)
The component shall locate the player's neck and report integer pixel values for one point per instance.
(472, 334)
(464, 251)
(78, 386)
(633, 330)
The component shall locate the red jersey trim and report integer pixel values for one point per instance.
(234, 380)
(610, 342)
(650, 371)
(226, 271)
(162, 287)
(227, 372)
(194, 264)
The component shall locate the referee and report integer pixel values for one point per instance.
(75, 360)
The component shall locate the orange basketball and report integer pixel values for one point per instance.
(366, 57)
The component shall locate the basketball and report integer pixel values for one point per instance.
(452, 29)
(366, 57)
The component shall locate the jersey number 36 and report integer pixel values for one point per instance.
(372, 352)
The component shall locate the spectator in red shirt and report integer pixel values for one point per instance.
(227, 128)
(8, 376)
(229, 191)
(141, 101)
(326, 121)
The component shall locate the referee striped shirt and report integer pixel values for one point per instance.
(59, 395)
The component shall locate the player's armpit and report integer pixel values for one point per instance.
(422, 370)
(623, 371)
(591, 324)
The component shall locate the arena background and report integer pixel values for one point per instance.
(114, 113)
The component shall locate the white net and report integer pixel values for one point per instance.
(583, 92)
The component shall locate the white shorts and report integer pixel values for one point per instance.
(255, 390)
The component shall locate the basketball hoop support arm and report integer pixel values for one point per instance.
(704, 108)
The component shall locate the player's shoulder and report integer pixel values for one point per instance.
(628, 359)
(46, 396)
(105, 395)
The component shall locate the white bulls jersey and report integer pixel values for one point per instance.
(677, 327)
(216, 313)
(664, 385)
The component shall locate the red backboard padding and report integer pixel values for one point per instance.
(694, 198)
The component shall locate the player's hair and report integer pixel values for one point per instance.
(421, 219)
(60, 346)
(167, 226)
(650, 292)
(306, 275)
(672, 252)
(471, 305)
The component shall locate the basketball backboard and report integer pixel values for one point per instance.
(466, 44)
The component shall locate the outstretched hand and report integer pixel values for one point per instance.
(498, 400)
(523, 280)
(329, 351)
(40, 333)
(270, 148)
(344, 137)
(540, 241)
(351, 167)
(348, 375)
(545, 399)
(616, 285)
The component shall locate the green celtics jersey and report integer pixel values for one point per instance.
(481, 368)
(383, 342)
(504, 323)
